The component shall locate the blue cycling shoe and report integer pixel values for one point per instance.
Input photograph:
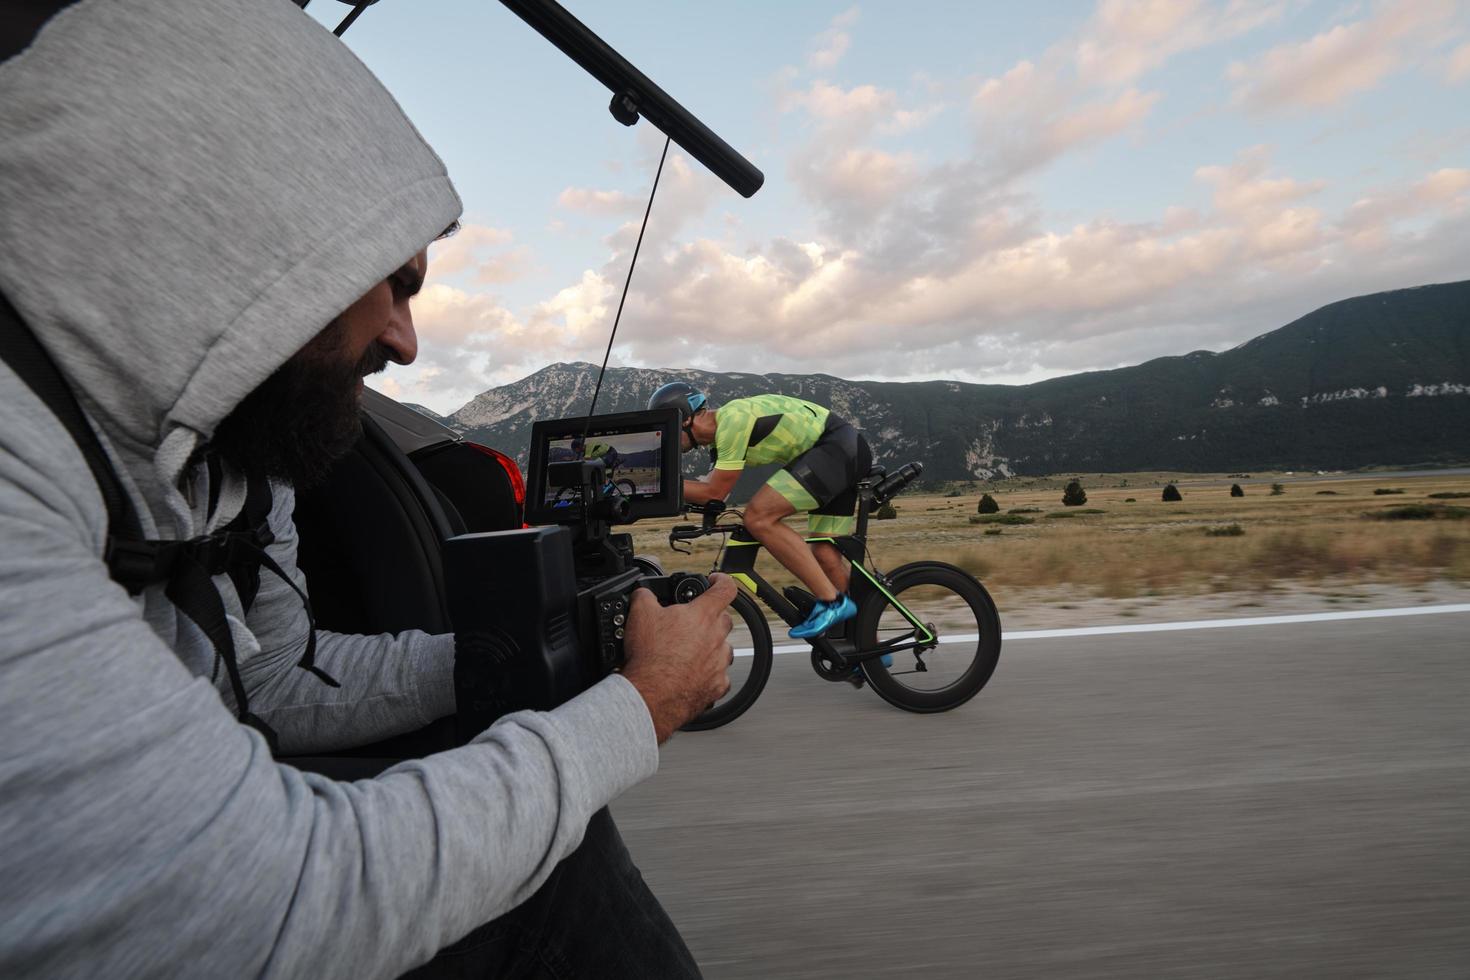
(824, 616)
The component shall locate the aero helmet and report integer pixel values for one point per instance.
(680, 394)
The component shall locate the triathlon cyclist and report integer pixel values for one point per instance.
(611, 458)
(823, 459)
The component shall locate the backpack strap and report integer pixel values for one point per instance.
(28, 359)
(188, 567)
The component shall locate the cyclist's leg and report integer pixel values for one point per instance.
(820, 478)
(829, 522)
(843, 460)
(834, 566)
(763, 518)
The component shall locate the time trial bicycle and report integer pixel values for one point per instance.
(926, 636)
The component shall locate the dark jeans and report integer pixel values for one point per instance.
(594, 917)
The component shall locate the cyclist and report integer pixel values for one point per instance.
(611, 458)
(823, 458)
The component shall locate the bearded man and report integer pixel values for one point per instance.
(214, 222)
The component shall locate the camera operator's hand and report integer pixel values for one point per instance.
(677, 655)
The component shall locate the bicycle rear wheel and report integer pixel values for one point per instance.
(957, 609)
(751, 637)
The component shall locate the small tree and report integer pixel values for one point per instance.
(988, 505)
(886, 512)
(1074, 495)
(1277, 489)
(1235, 490)
(1171, 493)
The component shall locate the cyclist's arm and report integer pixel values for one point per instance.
(716, 486)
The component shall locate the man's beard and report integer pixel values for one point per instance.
(298, 422)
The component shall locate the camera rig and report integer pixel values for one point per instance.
(541, 613)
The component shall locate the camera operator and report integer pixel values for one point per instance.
(213, 221)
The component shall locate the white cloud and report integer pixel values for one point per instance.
(1027, 118)
(1083, 91)
(1243, 189)
(465, 251)
(1074, 296)
(1096, 294)
(1340, 62)
(904, 120)
(832, 44)
(1457, 68)
(576, 311)
(446, 316)
(1128, 38)
(863, 105)
(1371, 218)
(916, 268)
(588, 201)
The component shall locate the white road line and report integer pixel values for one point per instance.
(1197, 624)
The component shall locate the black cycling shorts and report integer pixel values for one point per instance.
(831, 469)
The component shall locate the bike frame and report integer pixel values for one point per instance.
(737, 559)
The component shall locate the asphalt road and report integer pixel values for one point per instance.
(1274, 801)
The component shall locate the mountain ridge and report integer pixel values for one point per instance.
(1377, 379)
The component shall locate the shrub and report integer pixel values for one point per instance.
(955, 493)
(1074, 495)
(1327, 493)
(992, 530)
(1171, 493)
(1024, 510)
(1277, 489)
(1091, 510)
(1001, 519)
(1385, 491)
(1059, 514)
(1131, 500)
(1228, 531)
(1235, 490)
(988, 504)
(886, 512)
(1448, 496)
(1420, 512)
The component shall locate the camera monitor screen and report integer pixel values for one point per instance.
(640, 457)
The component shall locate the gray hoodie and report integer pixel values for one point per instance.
(189, 192)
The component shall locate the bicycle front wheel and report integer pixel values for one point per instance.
(955, 607)
(750, 635)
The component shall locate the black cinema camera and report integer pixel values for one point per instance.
(539, 614)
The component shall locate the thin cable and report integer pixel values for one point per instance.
(586, 428)
(347, 21)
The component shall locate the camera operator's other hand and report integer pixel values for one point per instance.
(677, 655)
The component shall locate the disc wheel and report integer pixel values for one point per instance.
(963, 618)
(750, 635)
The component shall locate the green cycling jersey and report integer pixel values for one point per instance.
(766, 429)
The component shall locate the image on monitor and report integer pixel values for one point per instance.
(632, 464)
(639, 453)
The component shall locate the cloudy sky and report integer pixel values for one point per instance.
(979, 191)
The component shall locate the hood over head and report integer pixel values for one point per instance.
(192, 191)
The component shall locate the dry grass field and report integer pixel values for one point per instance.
(1125, 541)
